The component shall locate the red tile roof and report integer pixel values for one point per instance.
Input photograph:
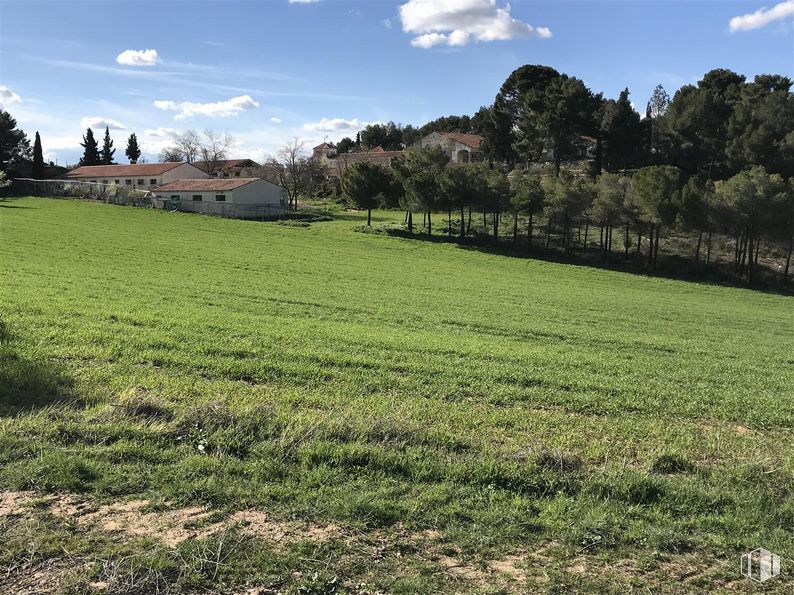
(326, 146)
(109, 171)
(208, 185)
(229, 163)
(470, 140)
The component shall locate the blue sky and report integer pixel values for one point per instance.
(270, 70)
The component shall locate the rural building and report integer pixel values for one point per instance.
(586, 148)
(461, 148)
(324, 151)
(231, 168)
(336, 164)
(240, 198)
(142, 176)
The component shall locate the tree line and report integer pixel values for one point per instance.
(614, 214)
(716, 159)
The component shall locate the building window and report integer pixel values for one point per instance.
(197, 197)
(220, 198)
(128, 182)
(140, 182)
(93, 181)
(153, 182)
(116, 181)
(175, 197)
(237, 174)
(104, 181)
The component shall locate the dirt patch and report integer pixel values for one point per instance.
(258, 524)
(43, 579)
(14, 503)
(510, 566)
(171, 526)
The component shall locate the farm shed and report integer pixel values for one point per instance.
(239, 198)
(142, 176)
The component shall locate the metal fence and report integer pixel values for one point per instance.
(222, 209)
(93, 191)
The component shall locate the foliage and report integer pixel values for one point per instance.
(368, 185)
(655, 189)
(91, 154)
(622, 132)
(14, 144)
(133, 151)
(388, 137)
(37, 172)
(106, 155)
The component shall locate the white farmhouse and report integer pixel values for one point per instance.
(142, 176)
(241, 198)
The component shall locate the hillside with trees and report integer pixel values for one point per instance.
(707, 171)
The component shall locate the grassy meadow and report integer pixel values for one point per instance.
(447, 420)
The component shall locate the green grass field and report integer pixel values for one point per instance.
(424, 417)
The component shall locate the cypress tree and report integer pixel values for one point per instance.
(107, 148)
(91, 149)
(133, 152)
(38, 159)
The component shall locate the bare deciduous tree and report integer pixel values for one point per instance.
(211, 149)
(293, 169)
(214, 150)
(189, 145)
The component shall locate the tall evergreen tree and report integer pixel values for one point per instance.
(106, 157)
(622, 131)
(133, 152)
(38, 159)
(90, 149)
(14, 144)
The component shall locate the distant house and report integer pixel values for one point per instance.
(585, 148)
(460, 147)
(142, 176)
(243, 198)
(335, 163)
(231, 168)
(324, 151)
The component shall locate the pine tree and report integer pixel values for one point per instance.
(107, 148)
(38, 159)
(91, 149)
(133, 152)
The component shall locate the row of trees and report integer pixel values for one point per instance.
(16, 151)
(750, 207)
(93, 155)
(713, 129)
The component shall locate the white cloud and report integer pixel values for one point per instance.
(7, 96)
(218, 109)
(275, 120)
(155, 140)
(458, 22)
(762, 17)
(98, 122)
(137, 57)
(52, 143)
(386, 23)
(335, 125)
(169, 133)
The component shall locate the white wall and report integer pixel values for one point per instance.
(183, 172)
(260, 192)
